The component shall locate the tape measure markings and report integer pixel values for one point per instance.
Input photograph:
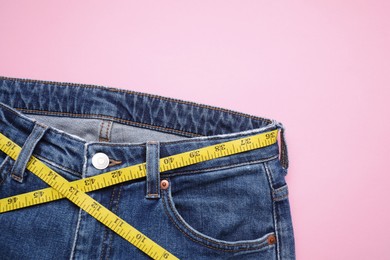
(132, 172)
(88, 204)
(74, 191)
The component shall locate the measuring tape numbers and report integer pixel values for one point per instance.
(88, 204)
(75, 191)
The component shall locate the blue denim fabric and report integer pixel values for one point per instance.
(226, 208)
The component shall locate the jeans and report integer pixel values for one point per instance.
(233, 207)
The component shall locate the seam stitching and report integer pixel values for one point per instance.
(108, 130)
(100, 132)
(31, 142)
(80, 210)
(200, 237)
(121, 120)
(218, 167)
(152, 96)
(115, 211)
(2, 167)
(166, 201)
(29, 120)
(71, 171)
(103, 250)
(270, 179)
(157, 172)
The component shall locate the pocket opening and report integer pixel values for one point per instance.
(197, 210)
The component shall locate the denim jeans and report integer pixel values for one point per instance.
(234, 207)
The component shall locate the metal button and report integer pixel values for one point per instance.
(164, 184)
(100, 161)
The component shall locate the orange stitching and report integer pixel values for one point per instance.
(108, 127)
(204, 238)
(100, 132)
(263, 244)
(120, 120)
(29, 121)
(208, 169)
(108, 89)
(106, 137)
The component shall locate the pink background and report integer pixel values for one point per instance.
(322, 68)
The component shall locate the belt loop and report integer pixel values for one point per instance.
(283, 147)
(152, 170)
(19, 167)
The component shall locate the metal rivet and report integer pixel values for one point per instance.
(164, 184)
(271, 240)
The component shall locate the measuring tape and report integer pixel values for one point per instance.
(75, 190)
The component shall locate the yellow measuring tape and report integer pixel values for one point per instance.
(75, 190)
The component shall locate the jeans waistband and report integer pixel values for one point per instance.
(200, 125)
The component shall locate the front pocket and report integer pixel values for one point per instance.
(227, 209)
